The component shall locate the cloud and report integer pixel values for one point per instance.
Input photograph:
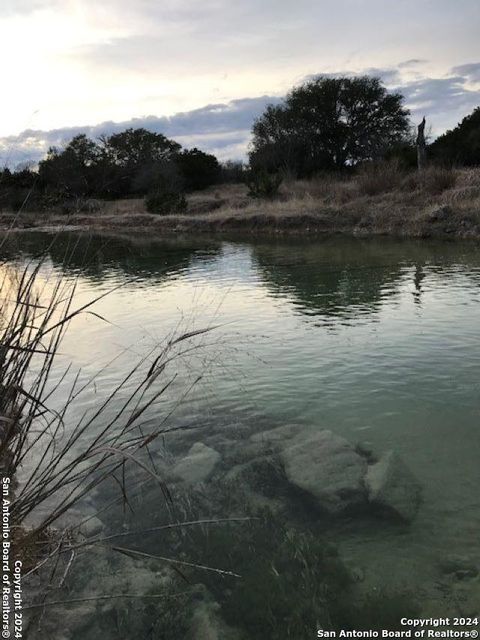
(440, 95)
(389, 75)
(413, 62)
(15, 7)
(89, 61)
(224, 128)
(443, 100)
(469, 71)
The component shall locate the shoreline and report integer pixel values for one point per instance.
(439, 222)
(430, 205)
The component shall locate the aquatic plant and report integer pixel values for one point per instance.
(289, 584)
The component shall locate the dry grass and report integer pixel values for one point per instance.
(121, 207)
(377, 200)
(377, 179)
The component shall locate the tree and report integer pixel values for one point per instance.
(199, 169)
(134, 147)
(421, 145)
(460, 146)
(328, 124)
(71, 171)
(131, 156)
(232, 171)
(134, 162)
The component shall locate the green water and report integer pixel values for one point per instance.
(376, 340)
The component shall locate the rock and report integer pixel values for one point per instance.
(462, 574)
(261, 483)
(207, 624)
(327, 467)
(92, 527)
(459, 567)
(198, 465)
(263, 472)
(392, 487)
(281, 434)
(365, 449)
(357, 574)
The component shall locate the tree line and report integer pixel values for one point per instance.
(327, 124)
(132, 163)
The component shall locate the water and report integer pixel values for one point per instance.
(376, 340)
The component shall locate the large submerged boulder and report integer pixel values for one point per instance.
(343, 478)
(198, 465)
(392, 487)
(329, 468)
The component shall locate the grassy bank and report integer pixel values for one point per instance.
(382, 201)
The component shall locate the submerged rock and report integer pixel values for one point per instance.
(459, 566)
(92, 527)
(392, 486)
(280, 435)
(198, 465)
(357, 574)
(341, 477)
(327, 467)
(208, 625)
(261, 482)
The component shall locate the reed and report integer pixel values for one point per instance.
(53, 461)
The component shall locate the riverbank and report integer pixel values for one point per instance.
(437, 203)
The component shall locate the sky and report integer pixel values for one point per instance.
(201, 71)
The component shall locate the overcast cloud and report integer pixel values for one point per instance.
(205, 70)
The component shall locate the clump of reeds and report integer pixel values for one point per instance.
(61, 461)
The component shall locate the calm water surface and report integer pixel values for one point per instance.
(377, 340)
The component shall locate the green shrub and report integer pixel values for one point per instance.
(165, 201)
(262, 184)
(198, 169)
(21, 200)
(17, 200)
(52, 199)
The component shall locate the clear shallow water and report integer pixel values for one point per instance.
(377, 340)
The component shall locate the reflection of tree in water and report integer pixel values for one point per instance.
(344, 278)
(333, 279)
(95, 255)
(347, 278)
(418, 278)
